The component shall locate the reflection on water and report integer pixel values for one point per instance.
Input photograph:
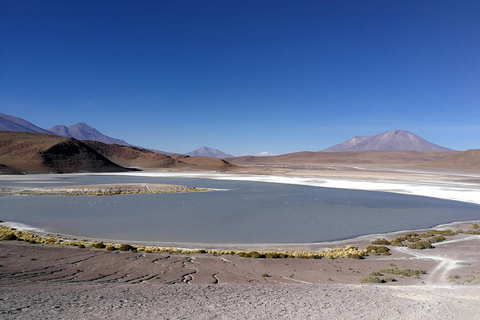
(248, 212)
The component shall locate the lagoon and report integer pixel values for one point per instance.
(242, 212)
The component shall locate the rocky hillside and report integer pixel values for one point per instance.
(132, 156)
(38, 152)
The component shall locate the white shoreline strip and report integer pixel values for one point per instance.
(464, 192)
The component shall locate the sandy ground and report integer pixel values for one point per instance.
(73, 283)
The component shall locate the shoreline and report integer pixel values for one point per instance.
(455, 194)
(313, 246)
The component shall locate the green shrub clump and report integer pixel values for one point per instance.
(475, 226)
(383, 241)
(99, 245)
(125, 247)
(377, 249)
(376, 280)
(404, 272)
(421, 245)
(110, 248)
(9, 236)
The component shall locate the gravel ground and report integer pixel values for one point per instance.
(183, 301)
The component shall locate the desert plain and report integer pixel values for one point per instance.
(54, 282)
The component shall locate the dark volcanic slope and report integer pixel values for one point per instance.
(397, 158)
(38, 152)
(132, 156)
(391, 140)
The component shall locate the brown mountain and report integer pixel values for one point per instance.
(204, 163)
(364, 158)
(209, 152)
(145, 159)
(38, 152)
(466, 160)
(132, 157)
(390, 140)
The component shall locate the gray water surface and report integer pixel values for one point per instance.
(247, 213)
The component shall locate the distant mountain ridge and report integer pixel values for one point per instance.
(209, 152)
(82, 131)
(387, 141)
(11, 123)
(79, 131)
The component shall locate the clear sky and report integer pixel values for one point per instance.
(245, 76)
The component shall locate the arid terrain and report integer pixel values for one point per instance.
(25, 152)
(54, 282)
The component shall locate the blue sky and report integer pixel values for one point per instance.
(245, 76)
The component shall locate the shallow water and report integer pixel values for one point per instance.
(246, 213)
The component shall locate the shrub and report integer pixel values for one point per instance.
(255, 255)
(477, 231)
(99, 245)
(381, 241)
(265, 275)
(397, 242)
(81, 246)
(9, 236)
(125, 247)
(375, 274)
(475, 226)
(110, 248)
(420, 245)
(376, 280)
(377, 250)
(436, 239)
(404, 272)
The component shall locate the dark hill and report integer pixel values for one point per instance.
(38, 152)
(132, 156)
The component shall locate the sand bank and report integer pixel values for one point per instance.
(100, 189)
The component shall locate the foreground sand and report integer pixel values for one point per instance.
(58, 283)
